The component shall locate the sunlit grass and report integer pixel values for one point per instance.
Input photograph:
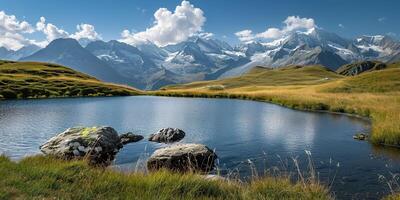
(42, 177)
(21, 80)
(375, 95)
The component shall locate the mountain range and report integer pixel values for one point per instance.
(147, 66)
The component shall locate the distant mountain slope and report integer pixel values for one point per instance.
(202, 56)
(70, 53)
(6, 54)
(261, 76)
(320, 79)
(148, 66)
(128, 61)
(360, 67)
(395, 58)
(43, 80)
(316, 46)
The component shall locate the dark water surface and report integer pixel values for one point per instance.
(243, 133)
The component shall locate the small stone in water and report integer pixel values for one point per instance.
(360, 136)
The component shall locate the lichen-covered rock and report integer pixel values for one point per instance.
(183, 158)
(167, 135)
(98, 144)
(360, 136)
(129, 138)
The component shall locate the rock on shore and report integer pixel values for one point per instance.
(98, 144)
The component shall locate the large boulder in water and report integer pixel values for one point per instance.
(98, 144)
(167, 135)
(183, 158)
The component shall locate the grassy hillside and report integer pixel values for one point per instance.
(261, 76)
(374, 94)
(43, 80)
(47, 178)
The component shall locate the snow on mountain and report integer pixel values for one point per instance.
(148, 66)
(316, 46)
(201, 56)
(69, 52)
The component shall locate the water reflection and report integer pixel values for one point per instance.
(238, 130)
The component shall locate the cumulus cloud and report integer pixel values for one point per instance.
(245, 35)
(341, 25)
(52, 32)
(12, 31)
(169, 27)
(291, 24)
(86, 31)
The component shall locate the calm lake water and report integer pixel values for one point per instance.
(240, 131)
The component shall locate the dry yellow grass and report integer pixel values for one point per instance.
(374, 94)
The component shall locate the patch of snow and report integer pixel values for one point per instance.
(235, 53)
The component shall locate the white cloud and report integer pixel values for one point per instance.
(50, 30)
(291, 23)
(12, 31)
(169, 27)
(245, 35)
(382, 19)
(297, 23)
(340, 25)
(86, 31)
(271, 33)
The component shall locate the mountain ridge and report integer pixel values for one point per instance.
(148, 66)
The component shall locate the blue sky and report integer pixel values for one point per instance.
(222, 18)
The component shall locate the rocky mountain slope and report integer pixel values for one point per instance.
(148, 66)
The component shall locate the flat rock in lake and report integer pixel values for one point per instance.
(182, 158)
(129, 137)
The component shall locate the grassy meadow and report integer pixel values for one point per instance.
(22, 80)
(42, 177)
(374, 94)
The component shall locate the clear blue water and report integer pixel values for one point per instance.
(266, 134)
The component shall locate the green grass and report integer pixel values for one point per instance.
(381, 81)
(373, 94)
(260, 76)
(22, 80)
(393, 197)
(43, 177)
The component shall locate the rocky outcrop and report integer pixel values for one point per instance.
(98, 144)
(167, 135)
(360, 136)
(183, 158)
(357, 68)
(129, 137)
